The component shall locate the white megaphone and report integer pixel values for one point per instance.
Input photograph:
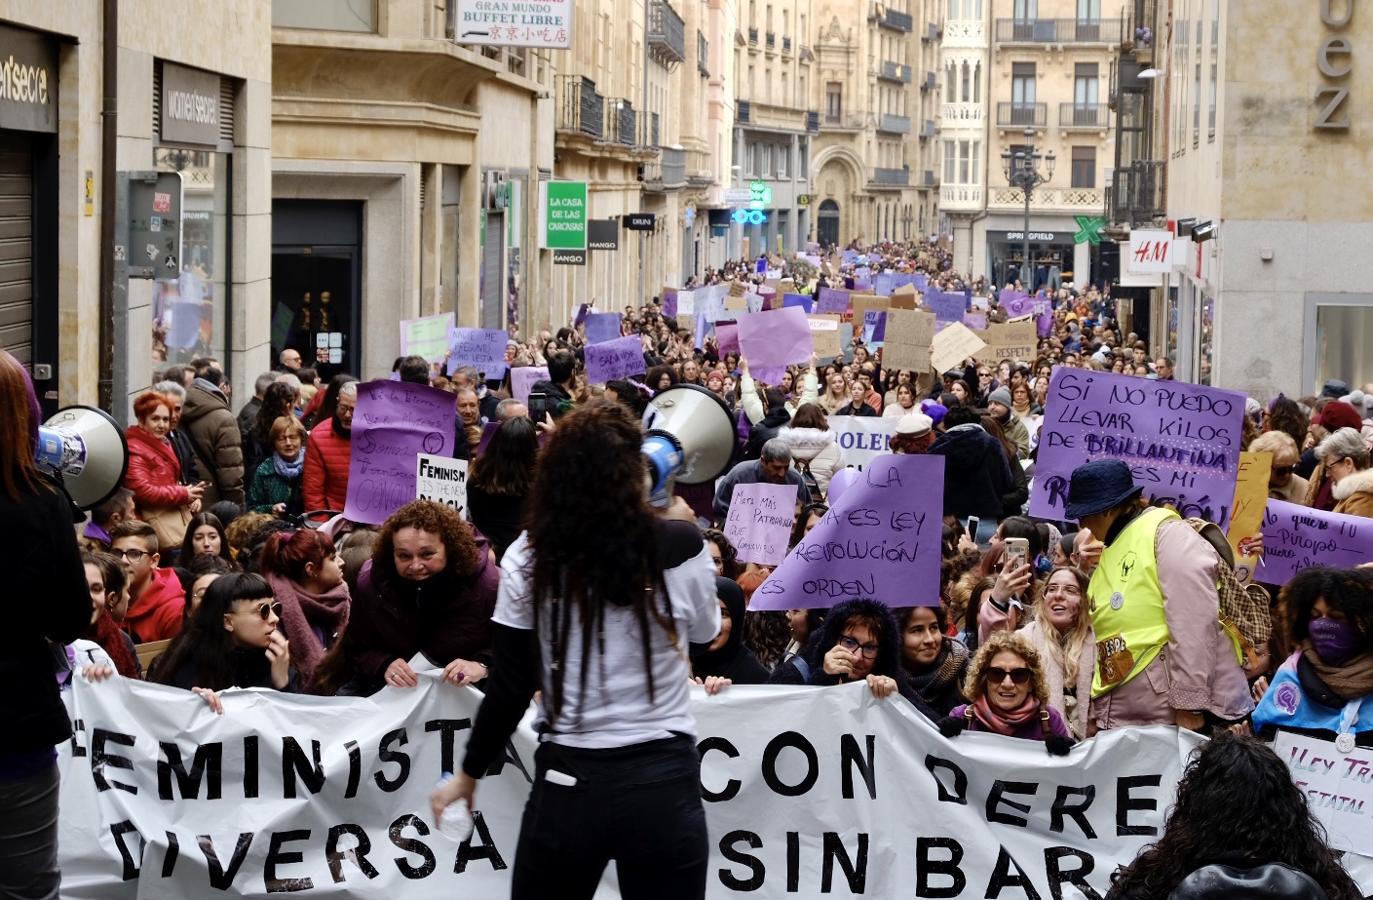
(690, 439)
(83, 448)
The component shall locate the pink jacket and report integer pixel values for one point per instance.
(1055, 676)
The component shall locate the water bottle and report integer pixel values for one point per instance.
(456, 821)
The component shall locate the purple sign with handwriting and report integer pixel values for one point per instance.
(760, 520)
(394, 421)
(834, 300)
(481, 348)
(977, 321)
(523, 378)
(619, 358)
(1181, 441)
(881, 540)
(773, 340)
(602, 327)
(1297, 537)
(874, 326)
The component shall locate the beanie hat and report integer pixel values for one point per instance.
(934, 409)
(1337, 414)
(914, 424)
(1002, 396)
(1357, 399)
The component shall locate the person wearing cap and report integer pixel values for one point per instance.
(1331, 418)
(999, 407)
(914, 434)
(1162, 656)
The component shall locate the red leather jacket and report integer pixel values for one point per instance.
(154, 472)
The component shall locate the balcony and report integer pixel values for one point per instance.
(582, 109)
(891, 124)
(666, 33)
(1021, 115)
(743, 110)
(960, 198)
(786, 46)
(1058, 31)
(1068, 199)
(932, 33)
(1084, 116)
(770, 42)
(702, 54)
(813, 122)
(961, 115)
(894, 71)
(891, 178)
(699, 171)
(1136, 197)
(620, 121)
(890, 18)
(930, 83)
(668, 173)
(928, 130)
(1141, 36)
(648, 131)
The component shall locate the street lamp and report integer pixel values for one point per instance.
(1022, 171)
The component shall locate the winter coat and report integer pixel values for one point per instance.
(941, 683)
(764, 431)
(324, 484)
(751, 472)
(157, 613)
(247, 418)
(753, 407)
(218, 447)
(816, 449)
(1014, 500)
(976, 474)
(154, 475)
(268, 488)
(1017, 434)
(1054, 676)
(863, 409)
(1354, 494)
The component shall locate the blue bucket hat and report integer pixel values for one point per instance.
(1099, 485)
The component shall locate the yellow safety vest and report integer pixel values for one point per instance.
(1127, 603)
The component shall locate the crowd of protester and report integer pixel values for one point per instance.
(211, 563)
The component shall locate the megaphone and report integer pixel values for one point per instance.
(83, 448)
(690, 439)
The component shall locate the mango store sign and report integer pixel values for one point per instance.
(515, 23)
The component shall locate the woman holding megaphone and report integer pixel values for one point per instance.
(52, 603)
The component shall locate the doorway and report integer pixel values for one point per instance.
(316, 283)
(827, 228)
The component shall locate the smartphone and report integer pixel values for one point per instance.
(973, 522)
(538, 405)
(1017, 553)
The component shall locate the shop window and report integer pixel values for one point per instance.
(188, 311)
(325, 15)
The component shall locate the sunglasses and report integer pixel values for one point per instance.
(264, 611)
(1284, 470)
(996, 675)
(869, 651)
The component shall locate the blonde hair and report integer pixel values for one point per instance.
(975, 682)
(1065, 650)
(283, 424)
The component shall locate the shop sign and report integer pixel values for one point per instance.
(1034, 235)
(515, 23)
(603, 234)
(569, 257)
(641, 221)
(190, 105)
(564, 215)
(1150, 251)
(1335, 60)
(28, 80)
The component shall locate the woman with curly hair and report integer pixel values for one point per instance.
(599, 620)
(1239, 827)
(1061, 630)
(1324, 688)
(722, 554)
(1009, 695)
(429, 588)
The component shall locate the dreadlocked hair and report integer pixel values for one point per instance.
(593, 539)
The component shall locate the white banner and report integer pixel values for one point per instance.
(862, 439)
(808, 791)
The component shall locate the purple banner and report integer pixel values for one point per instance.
(834, 300)
(481, 348)
(523, 378)
(727, 337)
(602, 327)
(582, 312)
(394, 421)
(802, 300)
(760, 521)
(772, 340)
(880, 540)
(619, 358)
(975, 320)
(1181, 441)
(1044, 324)
(862, 286)
(948, 308)
(1297, 537)
(874, 325)
(669, 303)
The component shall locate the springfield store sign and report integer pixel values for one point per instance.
(515, 23)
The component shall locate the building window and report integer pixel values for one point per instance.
(950, 82)
(784, 161)
(1026, 9)
(766, 170)
(950, 161)
(1084, 167)
(1088, 10)
(967, 83)
(1085, 84)
(977, 81)
(834, 102)
(1022, 93)
(1020, 155)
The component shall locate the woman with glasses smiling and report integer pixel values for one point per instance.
(231, 640)
(1008, 695)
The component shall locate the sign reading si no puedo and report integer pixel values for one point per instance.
(515, 23)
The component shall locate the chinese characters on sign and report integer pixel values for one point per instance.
(515, 23)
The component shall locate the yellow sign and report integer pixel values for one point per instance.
(1251, 497)
(90, 193)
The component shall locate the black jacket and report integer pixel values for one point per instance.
(49, 601)
(765, 430)
(976, 474)
(1272, 881)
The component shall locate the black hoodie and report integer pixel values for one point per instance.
(733, 661)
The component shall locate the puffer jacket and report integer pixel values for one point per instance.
(816, 449)
(977, 475)
(154, 473)
(324, 485)
(1354, 494)
(214, 435)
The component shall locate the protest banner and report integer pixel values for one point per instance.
(861, 303)
(583, 310)
(481, 348)
(727, 337)
(394, 421)
(824, 336)
(833, 300)
(861, 439)
(807, 792)
(523, 378)
(881, 540)
(977, 321)
(947, 307)
(772, 340)
(908, 336)
(668, 300)
(686, 303)
(1338, 787)
(905, 297)
(1297, 537)
(1181, 441)
(874, 326)
(760, 520)
(428, 337)
(1015, 341)
(619, 358)
(802, 300)
(1251, 497)
(602, 327)
(952, 344)
(441, 479)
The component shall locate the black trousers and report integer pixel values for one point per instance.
(638, 805)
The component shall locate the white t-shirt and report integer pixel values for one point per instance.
(615, 710)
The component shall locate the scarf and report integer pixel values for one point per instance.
(1005, 723)
(288, 469)
(304, 614)
(945, 669)
(1348, 681)
(108, 635)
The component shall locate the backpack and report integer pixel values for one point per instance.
(1244, 608)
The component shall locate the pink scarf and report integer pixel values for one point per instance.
(302, 612)
(1002, 722)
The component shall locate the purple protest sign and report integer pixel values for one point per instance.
(947, 307)
(1181, 441)
(884, 284)
(772, 340)
(880, 540)
(481, 348)
(522, 378)
(669, 298)
(1044, 325)
(874, 325)
(582, 312)
(1297, 537)
(802, 300)
(767, 297)
(862, 286)
(394, 421)
(760, 521)
(727, 337)
(977, 321)
(833, 300)
(921, 281)
(619, 358)
(602, 327)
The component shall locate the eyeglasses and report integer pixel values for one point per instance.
(263, 611)
(869, 651)
(1284, 470)
(131, 554)
(996, 675)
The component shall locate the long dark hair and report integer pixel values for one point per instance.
(1237, 800)
(204, 642)
(594, 539)
(19, 416)
(507, 466)
(329, 405)
(278, 400)
(1349, 591)
(1285, 415)
(188, 541)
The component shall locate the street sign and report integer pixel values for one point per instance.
(564, 209)
(547, 24)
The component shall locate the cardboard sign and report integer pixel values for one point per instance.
(427, 337)
(802, 300)
(523, 378)
(602, 327)
(908, 338)
(773, 340)
(441, 479)
(833, 300)
(1016, 341)
(947, 308)
(953, 344)
(905, 297)
(824, 336)
(394, 421)
(760, 520)
(1251, 497)
(863, 302)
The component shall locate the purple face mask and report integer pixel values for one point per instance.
(1336, 641)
